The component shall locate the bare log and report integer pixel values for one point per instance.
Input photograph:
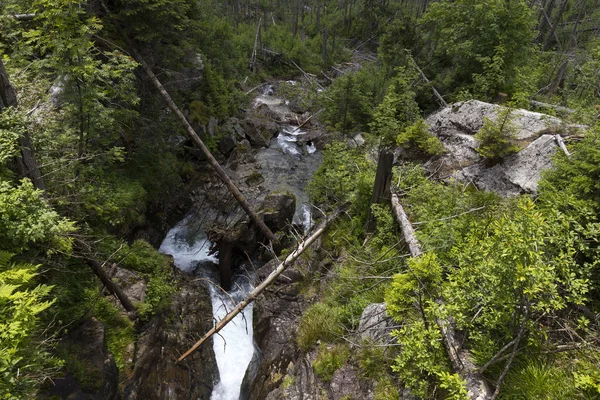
(301, 247)
(554, 107)
(461, 359)
(19, 17)
(407, 230)
(561, 144)
(193, 136)
(84, 249)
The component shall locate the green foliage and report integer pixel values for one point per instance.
(329, 359)
(344, 175)
(578, 175)
(422, 358)
(349, 101)
(120, 332)
(484, 43)
(25, 361)
(372, 360)
(12, 127)
(416, 139)
(526, 257)
(319, 322)
(26, 218)
(496, 137)
(533, 380)
(142, 257)
(410, 288)
(117, 203)
(385, 390)
(398, 110)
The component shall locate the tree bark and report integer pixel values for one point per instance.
(381, 187)
(193, 136)
(301, 247)
(25, 165)
(461, 359)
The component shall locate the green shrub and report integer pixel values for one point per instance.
(120, 332)
(416, 139)
(496, 137)
(25, 361)
(142, 257)
(319, 322)
(540, 381)
(329, 359)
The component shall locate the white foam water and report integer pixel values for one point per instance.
(234, 345)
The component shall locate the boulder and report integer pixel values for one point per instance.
(518, 173)
(278, 210)
(260, 130)
(468, 117)
(156, 374)
(227, 144)
(345, 385)
(98, 376)
(375, 325)
(456, 126)
(132, 283)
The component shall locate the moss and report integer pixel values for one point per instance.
(89, 376)
(329, 359)
(319, 322)
(120, 332)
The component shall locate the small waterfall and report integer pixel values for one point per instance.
(234, 345)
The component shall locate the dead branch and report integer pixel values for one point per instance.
(301, 247)
(461, 359)
(561, 144)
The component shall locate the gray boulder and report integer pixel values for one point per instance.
(456, 126)
(278, 210)
(99, 376)
(375, 325)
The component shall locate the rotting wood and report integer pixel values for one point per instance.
(301, 247)
(561, 144)
(193, 136)
(461, 359)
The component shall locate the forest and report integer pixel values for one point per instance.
(111, 112)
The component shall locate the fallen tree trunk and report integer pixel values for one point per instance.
(193, 136)
(561, 144)
(302, 246)
(84, 249)
(554, 107)
(461, 359)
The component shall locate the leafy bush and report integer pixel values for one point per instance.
(120, 332)
(416, 139)
(496, 137)
(25, 361)
(319, 322)
(329, 359)
(344, 175)
(26, 218)
(578, 175)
